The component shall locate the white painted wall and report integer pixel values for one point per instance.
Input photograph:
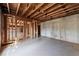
(66, 28)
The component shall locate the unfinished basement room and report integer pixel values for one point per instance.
(39, 29)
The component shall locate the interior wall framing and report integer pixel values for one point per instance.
(15, 29)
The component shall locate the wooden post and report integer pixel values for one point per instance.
(16, 28)
(8, 30)
(12, 28)
(27, 30)
(0, 28)
(30, 30)
(3, 29)
(24, 29)
(34, 29)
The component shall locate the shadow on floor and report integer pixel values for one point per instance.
(3, 46)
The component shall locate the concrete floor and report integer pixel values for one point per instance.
(42, 46)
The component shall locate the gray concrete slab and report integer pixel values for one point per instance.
(42, 46)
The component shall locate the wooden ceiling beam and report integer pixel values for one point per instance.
(57, 16)
(8, 7)
(47, 7)
(36, 12)
(18, 8)
(61, 10)
(53, 9)
(68, 10)
(65, 9)
(25, 9)
(35, 9)
(71, 10)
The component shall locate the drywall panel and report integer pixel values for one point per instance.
(66, 28)
(77, 28)
(55, 30)
(70, 28)
(48, 29)
(43, 29)
(61, 32)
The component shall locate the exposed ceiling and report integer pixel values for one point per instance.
(42, 11)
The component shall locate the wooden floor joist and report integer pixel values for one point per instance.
(39, 11)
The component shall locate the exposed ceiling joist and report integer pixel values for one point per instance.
(41, 11)
(72, 11)
(62, 15)
(57, 16)
(59, 10)
(64, 9)
(25, 10)
(68, 8)
(17, 8)
(47, 7)
(35, 9)
(53, 9)
(36, 12)
(8, 8)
